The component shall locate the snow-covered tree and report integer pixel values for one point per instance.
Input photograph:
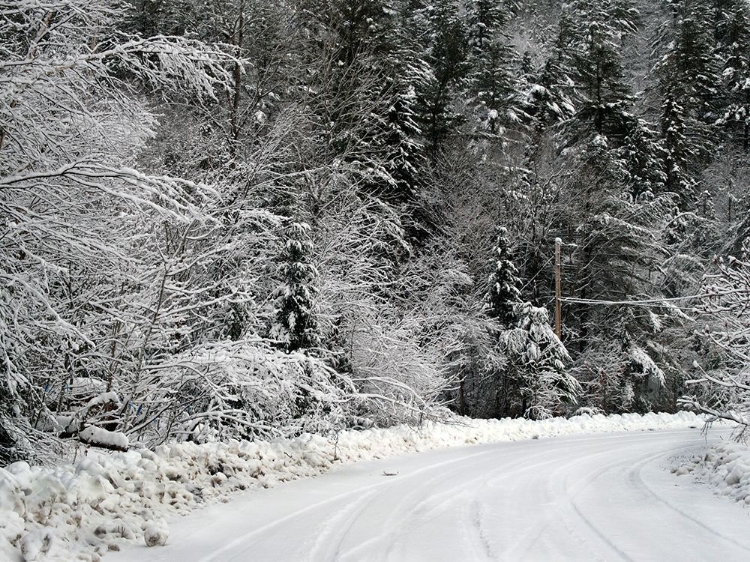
(504, 293)
(538, 362)
(548, 96)
(733, 36)
(296, 325)
(592, 46)
(446, 51)
(79, 222)
(680, 153)
(492, 80)
(693, 62)
(725, 382)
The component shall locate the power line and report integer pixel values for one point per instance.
(575, 300)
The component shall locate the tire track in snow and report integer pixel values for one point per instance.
(422, 502)
(635, 476)
(569, 515)
(560, 514)
(328, 541)
(245, 538)
(577, 499)
(412, 508)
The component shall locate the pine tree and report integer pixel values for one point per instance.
(733, 37)
(691, 62)
(370, 79)
(485, 18)
(493, 79)
(296, 325)
(538, 360)
(548, 95)
(679, 152)
(592, 46)
(504, 293)
(690, 85)
(446, 51)
(642, 155)
(611, 196)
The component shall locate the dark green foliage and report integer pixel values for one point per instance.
(492, 81)
(692, 62)
(733, 36)
(643, 159)
(297, 326)
(591, 47)
(504, 293)
(446, 51)
(8, 452)
(689, 80)
(549, 95)
(679, 151)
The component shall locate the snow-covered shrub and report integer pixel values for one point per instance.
(722, 387)
(83, 231)
(155, 533)
(391, 329)
(400, 379)
(238, 390)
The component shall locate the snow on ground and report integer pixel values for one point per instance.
(583, 498)
(725, 467)
(105, 500)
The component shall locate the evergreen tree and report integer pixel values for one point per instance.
(504, 293)
(613, 198)
(733, 36)
(679, 152)
(591, 41)
(548, 96)
(492, 81)
(296, 325)
(689, 82)
(642, 155)
(694, 64)
(618, 249)
(538, 361)
(485, 18)
(446, 51)
(367, 88)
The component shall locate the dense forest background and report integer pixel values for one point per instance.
(237, 218)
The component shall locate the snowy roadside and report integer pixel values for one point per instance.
(80, 511)
(725, 467)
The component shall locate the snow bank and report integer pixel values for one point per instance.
(725, 466)
(80, 511)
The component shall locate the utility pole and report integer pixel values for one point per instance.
(558, 289)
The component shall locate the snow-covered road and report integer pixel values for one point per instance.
(603, 497)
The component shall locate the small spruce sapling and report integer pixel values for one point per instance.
(296, 325)
(504, 293)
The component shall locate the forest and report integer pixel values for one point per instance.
(238, 219)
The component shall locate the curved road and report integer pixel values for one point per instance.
(603, 497)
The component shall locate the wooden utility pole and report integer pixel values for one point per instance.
(558, 289)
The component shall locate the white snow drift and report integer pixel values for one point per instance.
(79, 511)
(726, 467)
